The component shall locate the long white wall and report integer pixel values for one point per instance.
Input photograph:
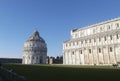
(95, 44)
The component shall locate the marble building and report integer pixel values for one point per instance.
(97, 44)
(35, 50)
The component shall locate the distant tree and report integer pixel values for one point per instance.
(61, 59)
(57, 57)
(47, 57)
(53, 60)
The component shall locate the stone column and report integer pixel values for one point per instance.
(64, 57)
(114, 54)
(102, 55)
(82, 57)
(92, 55)
(97, 55)
(108, 54)
(73, 57)
(77, 57)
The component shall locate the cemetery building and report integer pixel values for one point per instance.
(35, 50)
(97, 44)
(10, 60)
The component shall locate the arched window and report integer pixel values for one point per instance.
(108, 27)
(66, 45)
(105, 38)
(99, 50)
(117, 36)
(89, 50)
(73, 52)
(80, 51)
(111, 49)
(117, 25)
(110, 37)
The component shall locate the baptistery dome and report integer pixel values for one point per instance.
(35, 50)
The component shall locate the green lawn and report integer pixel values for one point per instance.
(66, 73)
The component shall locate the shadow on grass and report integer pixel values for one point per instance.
(66, 73)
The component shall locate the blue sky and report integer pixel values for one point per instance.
(53, 18)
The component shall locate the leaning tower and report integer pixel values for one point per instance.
(35, 50)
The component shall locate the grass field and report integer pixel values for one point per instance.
(66, 73)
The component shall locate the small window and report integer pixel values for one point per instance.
(117, 36)
(117, 25)
(111, 49)
(66, 45)
(105, 38)
(108, 27)
(73, 52)
(89, 50)
(80, 51)
(99, 50)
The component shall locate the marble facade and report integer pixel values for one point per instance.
(97, 44)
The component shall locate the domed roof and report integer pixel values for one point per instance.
(36, 37)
